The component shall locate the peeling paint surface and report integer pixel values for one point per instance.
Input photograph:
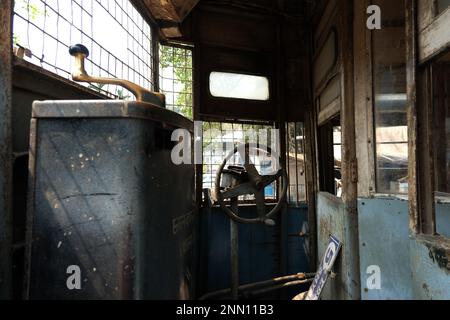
(384, 242)
(330, 215)
(411, 268)
(429, 261)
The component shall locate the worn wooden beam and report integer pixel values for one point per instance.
(325, 20)
(169, 14)
(163, 10)
(411, 91)
(435, 38)
(6, 155)
(349, 160)
(329, 112)
(184, 7)
(425, 157)
(364, 114)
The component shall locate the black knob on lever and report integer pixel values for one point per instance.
(78, 48)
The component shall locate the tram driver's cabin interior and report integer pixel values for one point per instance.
(224, 150)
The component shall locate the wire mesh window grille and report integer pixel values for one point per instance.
(217, 139)
(120, 41)
(295, 158)
(175, 79)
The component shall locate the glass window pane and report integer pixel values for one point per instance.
(391, 133)
(239, 86)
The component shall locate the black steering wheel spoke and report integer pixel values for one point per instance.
(269, 179)
(260, 204)
(240, 190)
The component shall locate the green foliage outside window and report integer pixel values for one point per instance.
(180, 60)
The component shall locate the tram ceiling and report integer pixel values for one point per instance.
(170, 14)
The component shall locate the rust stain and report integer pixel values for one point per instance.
(440, 257)
(426, 289)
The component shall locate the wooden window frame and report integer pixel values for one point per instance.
(419, 85)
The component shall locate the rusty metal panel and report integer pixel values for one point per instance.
(106, 197)
(410, 268)
(430, 267)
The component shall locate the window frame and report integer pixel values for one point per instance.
(200, 169)
(365, 113)
(299, 200)
(422, 208)
(330, 111)
(431, 32)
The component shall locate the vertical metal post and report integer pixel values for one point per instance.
(6, 159)
(234, 252)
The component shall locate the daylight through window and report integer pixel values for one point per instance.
(120, 41)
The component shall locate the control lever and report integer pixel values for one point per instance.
(80, 53)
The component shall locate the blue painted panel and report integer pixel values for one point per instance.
(298, 249)
(408, 269)
(384, 242)
(259, 248)
(431, 277)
